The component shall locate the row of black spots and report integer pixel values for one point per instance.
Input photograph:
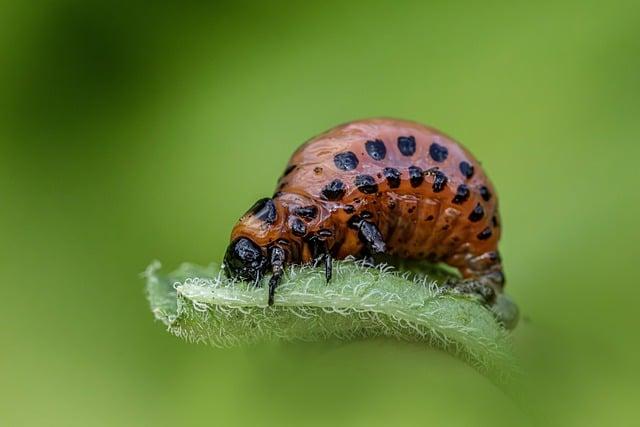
(336, 189)
(377, 150)
(416, 177)
(366, 184)
(407, 147)
(463, 194)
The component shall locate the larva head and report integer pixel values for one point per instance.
(246, 257)
(284, 222)
(245, 260)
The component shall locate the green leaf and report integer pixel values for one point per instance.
(202, 305)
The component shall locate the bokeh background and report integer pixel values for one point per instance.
(131, 131)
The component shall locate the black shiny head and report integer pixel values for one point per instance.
(245, 260)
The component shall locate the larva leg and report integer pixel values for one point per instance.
(476, 287)
(277, 259)
(319, 252)
(328, 266)
(484, 276)
(488, 288)
(371, 237)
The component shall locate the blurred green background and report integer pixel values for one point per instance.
(133, 130)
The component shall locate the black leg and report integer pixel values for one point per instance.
(320, 252)
(328, 266)
(316, 250)
(277, 267)
(371, 236)
(477, 287)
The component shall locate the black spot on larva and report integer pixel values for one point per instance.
(476, 214)
(467, 169)
(416, 176)
(317, 170)
(346, 161)
(494, 221)
(438, 152)
(393, 177)
(306, 212)
(354, 222)
(349, 209)
(485, 193)
(407, 145)
(445, 227)
(366, 184)
(376, 149)
(265, 210)
(430, 218)
(391, 205)
(439, 180)
(411, 209)
(484, 234)
(298, 228)
(462, 194)
(288, 170)
(334, 190)
(494, 256)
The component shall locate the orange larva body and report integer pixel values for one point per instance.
(423, 193)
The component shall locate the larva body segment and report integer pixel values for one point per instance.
(377, 186)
